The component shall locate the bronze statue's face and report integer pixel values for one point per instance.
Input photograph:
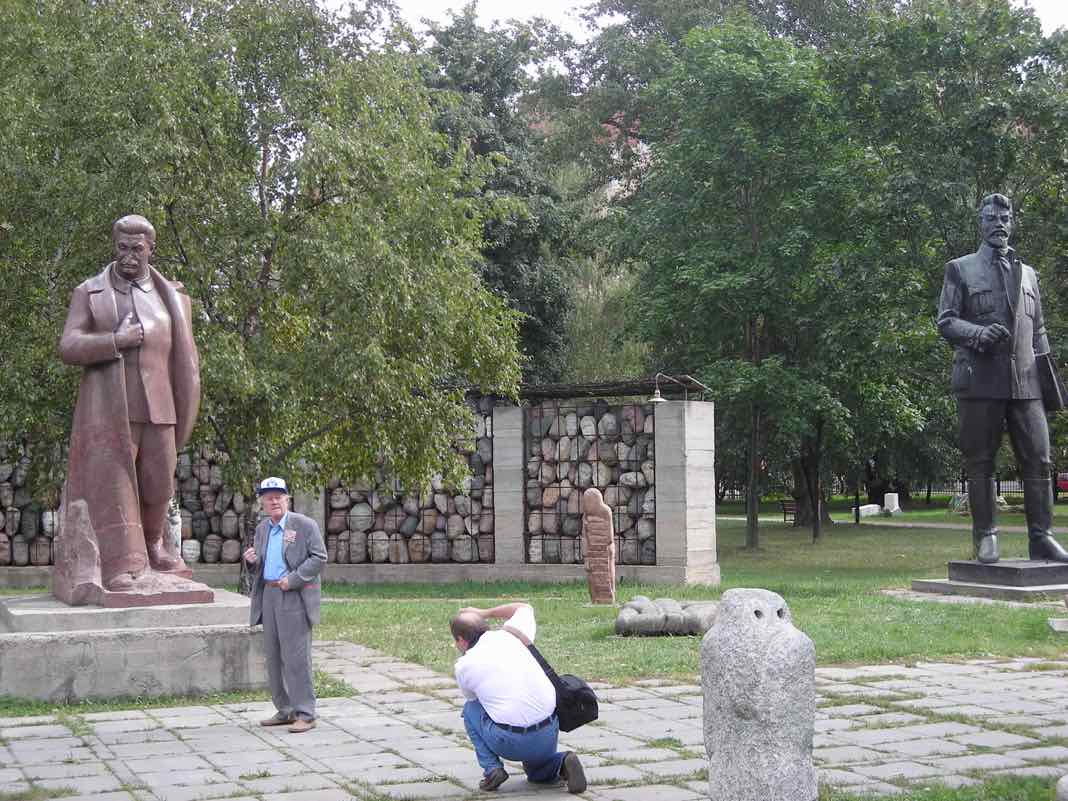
(995, 225)
(132, 252)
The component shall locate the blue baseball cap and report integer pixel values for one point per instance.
(272, 484)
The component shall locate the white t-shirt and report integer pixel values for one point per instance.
(502, 675)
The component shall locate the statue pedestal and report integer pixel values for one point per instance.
(55, 652)
(155, 589)
(1007, 580)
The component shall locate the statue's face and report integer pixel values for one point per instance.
(132, 252)
(995, 225)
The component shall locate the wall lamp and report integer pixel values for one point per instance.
(658, 398)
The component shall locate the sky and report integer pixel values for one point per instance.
(1053, 13)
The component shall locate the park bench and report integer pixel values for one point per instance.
(789, 510)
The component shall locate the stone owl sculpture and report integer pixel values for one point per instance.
(758, 676)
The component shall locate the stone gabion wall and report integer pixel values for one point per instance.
(372, 521)
(26, 530)
(212, 515)
(572, 446)
(379, 522)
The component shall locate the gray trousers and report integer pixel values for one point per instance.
(287, 645)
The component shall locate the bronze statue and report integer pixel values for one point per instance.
(599, 545)
(991, 312)
(131, 330)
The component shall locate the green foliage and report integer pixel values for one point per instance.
(325, 232)
(600, 331)
(953, 101)
(526, 227)
(761, 272)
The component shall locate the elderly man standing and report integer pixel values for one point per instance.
(287, 556)
(991, 312)
(131, 330)
(510, 710)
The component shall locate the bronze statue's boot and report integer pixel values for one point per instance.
(982, 496)
(161, 558)
(1038, 507)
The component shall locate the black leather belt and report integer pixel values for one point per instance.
(527, 729)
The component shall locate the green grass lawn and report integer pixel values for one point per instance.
(1002, 789)
(832, 589)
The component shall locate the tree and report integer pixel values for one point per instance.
(955, 101)
(526, 231)
(754, 223)
(326, 234)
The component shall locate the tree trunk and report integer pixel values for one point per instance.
(752, 493)
(248, 537)
(811, 511)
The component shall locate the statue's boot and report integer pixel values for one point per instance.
(982, 496)
(120, 582)
(122, 556)
(161, 557)
(1038, 507)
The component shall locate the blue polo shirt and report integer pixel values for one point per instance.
(274, 565)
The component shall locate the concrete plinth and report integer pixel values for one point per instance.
(1006, 580)
(44, 613)
(73, 653)
(1003, 592)
(1010, 572)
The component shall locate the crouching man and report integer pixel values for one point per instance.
(510, 709)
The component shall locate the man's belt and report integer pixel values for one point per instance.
(272, 583)
(527, 729)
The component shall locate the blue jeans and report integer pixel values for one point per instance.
(535, 749)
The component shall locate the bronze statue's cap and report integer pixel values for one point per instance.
(272, 484)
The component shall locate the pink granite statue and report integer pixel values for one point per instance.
(130, 330)
(600, 547)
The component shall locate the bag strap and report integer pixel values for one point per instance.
(545, 666)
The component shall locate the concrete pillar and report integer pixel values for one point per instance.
(509, 470)
(311, 502)
(685, 437)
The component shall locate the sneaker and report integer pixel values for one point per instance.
(571, 772)
(300, 725)
(492, 780)
(277, 719)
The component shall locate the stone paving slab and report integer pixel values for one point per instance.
(879, 729)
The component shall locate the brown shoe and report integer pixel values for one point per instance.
(277, 720)
(300, 725)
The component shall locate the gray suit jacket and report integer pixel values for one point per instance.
(304, 556)
(975, 294)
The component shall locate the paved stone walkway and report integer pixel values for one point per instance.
(878, 730)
